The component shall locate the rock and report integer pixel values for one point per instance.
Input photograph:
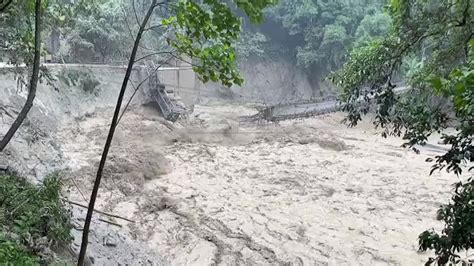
(305, 141)
(3, 167)
(329, 192)
(110, 241)
(333, 144)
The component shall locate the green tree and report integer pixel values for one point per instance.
(441, 95)
(327, 27)
(372, 27)
(17, 35)
(17, 25)
(251, 44)
(98, 33)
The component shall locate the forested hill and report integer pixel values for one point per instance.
(314, 35)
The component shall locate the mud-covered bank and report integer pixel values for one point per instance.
(37, 148)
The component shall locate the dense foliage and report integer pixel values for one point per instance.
(457, 234)
(437, 34)
(458, 216)
(328, 27)
(98, 34)
(33, 220)
(17, 26)
(318, 34)
(17, 35)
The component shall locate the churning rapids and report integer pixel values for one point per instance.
(211, 190)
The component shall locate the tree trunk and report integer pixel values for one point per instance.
(95, 190)
(5, 6)
(33, 82)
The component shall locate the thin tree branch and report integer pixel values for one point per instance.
(113, 125)
(99, 211)
(164, 3)
(152, 54)
(78, 189)
(110, 222)
(154, 27)
(185, 61)
(126, 22)
(135, 12)
(130, 30)
(138, 87)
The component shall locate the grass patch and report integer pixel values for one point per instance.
(33, 220)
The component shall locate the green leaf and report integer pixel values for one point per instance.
(436, 83)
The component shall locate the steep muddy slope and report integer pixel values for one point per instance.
(73, 92)
(38, 147)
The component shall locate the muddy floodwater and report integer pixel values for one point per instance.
(212, 190)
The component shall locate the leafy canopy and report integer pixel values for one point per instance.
(328, 28)
(98, 34)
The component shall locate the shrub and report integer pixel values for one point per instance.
(458, 233)
(33, 220)
(13, 254)
(83, 79)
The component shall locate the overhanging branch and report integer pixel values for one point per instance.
(6, 5)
